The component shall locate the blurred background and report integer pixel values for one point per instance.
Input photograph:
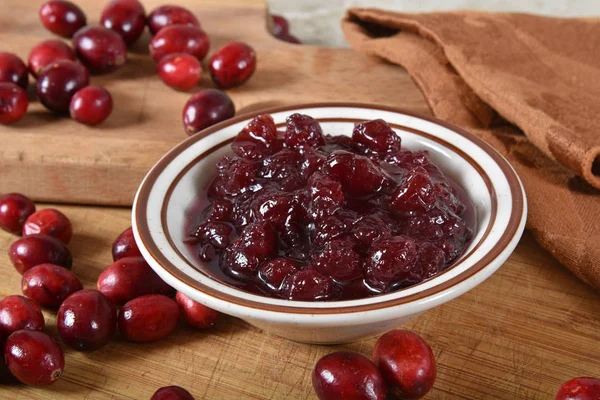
(318, 21)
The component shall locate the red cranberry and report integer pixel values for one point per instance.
(46, 52)
(277, 208)
(232, 65)
(196, 314)
(125, 246)
(34, 358)
(86, 320)
(100, 49)
(91, 105)
(128, 278)
(49, 222)
(13, 102)
(338, 260)
(14, 211)
(13, 70)
(170, 15)
(126, 17)
(180, 71)
(369, 229)
(257, 139)
(325, 195)
(582, 388)
(18, 312)
(220, 210)
(206, 108)
(48, 285)
(357, 174)
(179, 39)
(406, 363)
(390, 260)
(303, 130)
(148, 318)
(58, 82)
(62, 17)
(274, 272)
(308, 285)
(347, 375)
(172, 393)
(280, 25)
(215, 233)
(376, 136)
(235, 176)
(415, 194)
(29, 251)
(289, 38)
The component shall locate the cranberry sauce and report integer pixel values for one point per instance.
(301, 215)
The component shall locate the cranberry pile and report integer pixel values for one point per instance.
(302, 215)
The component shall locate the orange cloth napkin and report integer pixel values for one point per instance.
(528, 85)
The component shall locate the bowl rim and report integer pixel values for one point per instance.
(514, 226)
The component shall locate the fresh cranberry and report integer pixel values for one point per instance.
(357, 174)
(347, 375)
(406, 363)
(86, 320)
(13, 102)
(376, 136)
(58, 82)
(582, 388)
(91, 105)
(180, 71)
(62, 17)
(274, 272)
(148, 318)
(100, 49)
(125, 246)
(280, 25)
(257, 139)
(14, 211)
(303, 130)
(308, 285)
(126, 17)
(29, 251)
(179, 39)
(128, 278)
(46, 52)
(206, 108)
(196, 314)
(48, 285)
(172, 393)
(34, 358)
(49, 222)
(18, 312)
(391, 260)
(170, 15)
(13, 70)
(338, 260)
(232, 65)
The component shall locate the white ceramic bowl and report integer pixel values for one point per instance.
(490, 182)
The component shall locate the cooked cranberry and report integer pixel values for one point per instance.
(308, 285)
(29, 251)
(280, 25)
(196, 314)
(86, 320)
(391, 260)
(58, 82)
(179, 39)
(13, 70)
(126, 17)
(100, 49)
(220, 210)
(274, 272)
(206, 108)
(13, 102)
(282, 169)
(14, 211)
(406, 363)
(148, 318)
(128, 278)
(215, 233)
(170, 15)
(277, 208)
(357, 174)
(62, 17)
(180, 71)
(48, 285)
(240, 263)
(46, 52)
(415, 194)
(347, 375)
(91, 105)
(338, 260)
(34, 358)
(259, 239)
(257, 139)
(235, 176)
(207, 253)
(49, 222)
(325, 196)
(18, 312)
(369, 229)
(172, 393)
(303, 130)
(125, 246)
(582, 388)
(232, 65)
(327, 229)
(376, 136)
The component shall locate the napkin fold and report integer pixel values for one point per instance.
(528, 85)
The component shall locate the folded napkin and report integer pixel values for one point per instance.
(529, 86)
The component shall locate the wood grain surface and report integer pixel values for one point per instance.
(518, 335)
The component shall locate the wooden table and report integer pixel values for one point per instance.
(518, 335)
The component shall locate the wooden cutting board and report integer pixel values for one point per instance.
(53, 158)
